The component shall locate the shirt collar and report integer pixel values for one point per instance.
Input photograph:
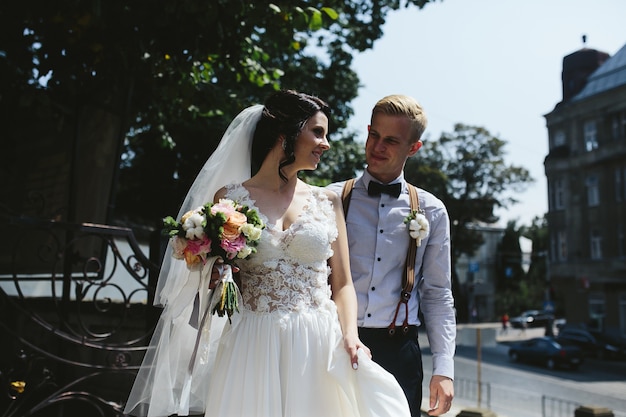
(367, 177)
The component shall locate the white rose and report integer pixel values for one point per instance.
(251, 231)
(247, 250)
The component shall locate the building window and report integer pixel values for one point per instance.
(616, 126)
(593, 191)
(622, 313)
(562, 245)
(557, 194)
(559, 138)
(597, 310)
(621, 241)
(591, 137)
(596, 245)
(619, 184)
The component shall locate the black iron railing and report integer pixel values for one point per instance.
(75, 316)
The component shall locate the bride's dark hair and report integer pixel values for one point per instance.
(285, 113)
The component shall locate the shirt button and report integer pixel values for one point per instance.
(369, 314)
(381, 230)
(382, 205)
(373, 288)
(378, 259)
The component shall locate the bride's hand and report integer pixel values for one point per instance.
(352, 345)
(216, 274)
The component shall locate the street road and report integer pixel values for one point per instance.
(516, 390)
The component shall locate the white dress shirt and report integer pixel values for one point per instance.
(379, 241)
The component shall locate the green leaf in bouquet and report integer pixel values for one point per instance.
(171, 227)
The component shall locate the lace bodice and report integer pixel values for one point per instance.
(289, 272)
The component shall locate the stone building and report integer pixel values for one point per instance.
(586, 175)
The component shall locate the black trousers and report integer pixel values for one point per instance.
(401, 356)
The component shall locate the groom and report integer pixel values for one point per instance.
(376, 207)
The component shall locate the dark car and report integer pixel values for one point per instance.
(596, 346)
(614, 339)
(548, 352)
(532, 318)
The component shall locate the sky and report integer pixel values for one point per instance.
(490, 63)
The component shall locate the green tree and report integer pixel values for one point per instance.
(512, 293)
(467, 170)
(538, 233)
(517, 291)
(173, 74)
(509, 270)
(538, 272)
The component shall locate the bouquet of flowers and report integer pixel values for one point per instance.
(224, 229)
(418, 226)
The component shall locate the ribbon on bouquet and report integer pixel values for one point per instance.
(226, 302)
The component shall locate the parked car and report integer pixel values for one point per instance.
(597, 346)
(532, 318)
(614, 339)
(548, 352)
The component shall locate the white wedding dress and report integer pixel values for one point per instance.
(283, 354)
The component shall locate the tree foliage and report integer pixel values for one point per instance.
(509, 271)
(467, 170)
(518, 291)
(176, 72)
(538, 233)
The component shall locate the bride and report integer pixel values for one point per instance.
(293, 349)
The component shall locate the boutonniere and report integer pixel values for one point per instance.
(418, 225)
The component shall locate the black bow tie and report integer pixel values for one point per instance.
(376, 188)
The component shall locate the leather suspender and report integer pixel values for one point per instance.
(409, 273)
(346, 195)
(408, 279)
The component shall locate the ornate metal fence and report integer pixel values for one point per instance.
(75, 316)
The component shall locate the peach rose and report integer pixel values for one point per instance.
(233, 223)
(192, 259)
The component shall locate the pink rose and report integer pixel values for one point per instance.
(199, 246)
(224, 206)
(196, 250)
(232, 247)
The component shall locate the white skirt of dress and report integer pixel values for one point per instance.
(262, 365)
(295, 365)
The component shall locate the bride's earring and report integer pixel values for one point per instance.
(284, 144)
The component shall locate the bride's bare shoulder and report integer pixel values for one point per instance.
(219, 194)
(331, 195)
